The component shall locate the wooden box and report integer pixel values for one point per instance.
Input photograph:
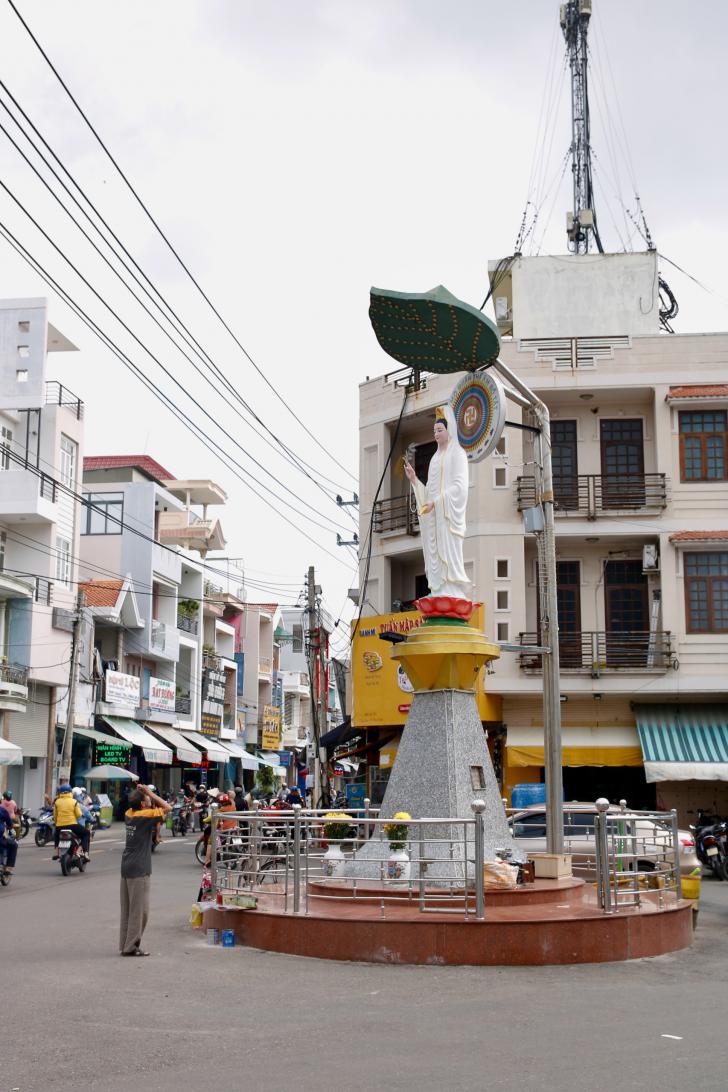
(551, 866)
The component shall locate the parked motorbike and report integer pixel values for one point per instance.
(45, 827)
(711, 843)
(70, 852)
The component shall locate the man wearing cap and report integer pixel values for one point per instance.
(145, 811)
(66, 816)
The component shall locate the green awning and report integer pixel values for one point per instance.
(684, 742)
(152, 749)
(101, 737)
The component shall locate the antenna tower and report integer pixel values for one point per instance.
(581, 224)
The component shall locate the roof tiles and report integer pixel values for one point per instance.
(145, 463)
(704, 390)
(101, 593)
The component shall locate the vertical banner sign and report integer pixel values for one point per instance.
(271, 728)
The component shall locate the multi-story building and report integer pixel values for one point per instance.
(41, 440)
(260, 652)
(178, 666)
(639, 439)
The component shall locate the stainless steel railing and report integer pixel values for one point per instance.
(287, 858)
(624, 840)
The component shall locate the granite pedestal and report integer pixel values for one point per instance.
(442, 765)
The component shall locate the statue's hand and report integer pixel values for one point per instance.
(427, 508)
(410, 472)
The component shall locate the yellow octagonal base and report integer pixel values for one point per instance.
(445, 656)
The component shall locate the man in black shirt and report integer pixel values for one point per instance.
(145, 811)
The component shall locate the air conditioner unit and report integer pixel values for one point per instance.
(650, 559)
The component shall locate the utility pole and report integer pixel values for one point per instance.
(314, 674)
(549, 615)
(64, 771)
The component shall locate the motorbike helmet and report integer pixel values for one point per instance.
(7, 795)
(64, 788)
(78, 793)
(223, 799)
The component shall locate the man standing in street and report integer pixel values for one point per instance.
(144, 812)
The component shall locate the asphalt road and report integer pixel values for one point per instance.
(77, 1016)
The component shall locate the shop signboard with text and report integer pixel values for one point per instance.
(107, 753)
(271, 728)
(210, 724)
(382, 692)
(161, 695)
(121, 689)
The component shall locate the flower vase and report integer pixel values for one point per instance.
(333, 861)
(398, 866)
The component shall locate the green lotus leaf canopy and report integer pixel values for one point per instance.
(433, 331)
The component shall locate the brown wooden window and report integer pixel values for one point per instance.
(703, 445)
(706, 592)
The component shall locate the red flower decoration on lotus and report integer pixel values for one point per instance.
(446, 606)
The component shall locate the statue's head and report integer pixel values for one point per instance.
(440, 428)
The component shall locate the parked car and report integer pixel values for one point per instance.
(528, 827)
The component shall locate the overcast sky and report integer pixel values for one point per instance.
(297, 152)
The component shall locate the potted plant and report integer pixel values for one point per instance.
(397, 831)
(337, 825)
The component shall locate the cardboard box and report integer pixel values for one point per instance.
(551, 866)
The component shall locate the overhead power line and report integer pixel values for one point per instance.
(179, 327)
(191, 425)
(172, 249)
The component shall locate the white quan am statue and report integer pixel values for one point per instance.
(441, 505)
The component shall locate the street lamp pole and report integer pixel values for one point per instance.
(549, 615)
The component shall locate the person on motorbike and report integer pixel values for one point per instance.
(86, 819)
(66, 815)
(8, 841)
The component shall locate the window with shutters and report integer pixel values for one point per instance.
(706, 592)
(703, 444)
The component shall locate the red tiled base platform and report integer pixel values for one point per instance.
(524, 932)
(540, 891)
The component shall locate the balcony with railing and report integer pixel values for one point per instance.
(595, 495)
(597, 653)
(395, 515)
(58, 395)
(23, 487)
(164, 640)
(13, 687)
(186, 623)
(211, 662)
(189, 530)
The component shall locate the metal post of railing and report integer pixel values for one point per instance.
(478, 807)
(254, 843)
(602, 846)
(676, 854)
(367, 805)
(296, 858)
(213, 851)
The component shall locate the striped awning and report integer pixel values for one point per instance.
(684, 742)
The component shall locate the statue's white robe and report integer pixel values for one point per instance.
(443, 529)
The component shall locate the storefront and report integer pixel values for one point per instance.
(150, 759)
(596, 762)
(188, 758)
(215, 759)
(685, 752)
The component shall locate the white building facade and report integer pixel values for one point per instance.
(41, 448)
(639, 439)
